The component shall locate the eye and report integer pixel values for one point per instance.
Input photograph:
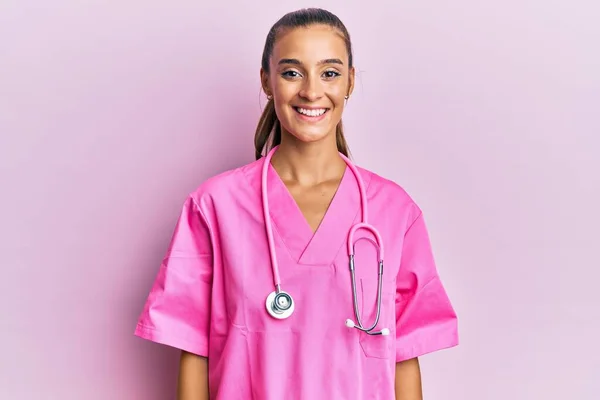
(290, 74)
(330, 74)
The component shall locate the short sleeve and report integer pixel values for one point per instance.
(425, 319)
(177, 310)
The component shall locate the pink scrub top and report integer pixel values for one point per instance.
(210, 292)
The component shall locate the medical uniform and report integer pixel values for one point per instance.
(209, 295)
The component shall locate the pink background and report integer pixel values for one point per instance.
(486, 112)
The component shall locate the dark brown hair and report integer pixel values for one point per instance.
(269, 127)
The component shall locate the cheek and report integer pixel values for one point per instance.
(337, 95)
(284, 90)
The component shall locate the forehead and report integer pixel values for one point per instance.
(310, 44)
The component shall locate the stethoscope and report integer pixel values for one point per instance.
(279, 303)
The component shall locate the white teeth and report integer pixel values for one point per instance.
(311, 113)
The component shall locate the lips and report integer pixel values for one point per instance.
(311, 112)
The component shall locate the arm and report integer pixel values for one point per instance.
(193, 377)
(408, 380)
(177, 312)
(425, 319)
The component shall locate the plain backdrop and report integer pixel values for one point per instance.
(486, 112)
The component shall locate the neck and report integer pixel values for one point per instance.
(308, 163)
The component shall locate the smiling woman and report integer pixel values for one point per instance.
(308, 81)
(300, 223)
(306, 70)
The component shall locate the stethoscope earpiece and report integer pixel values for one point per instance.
(384, 332)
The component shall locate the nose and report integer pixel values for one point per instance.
(312, 89)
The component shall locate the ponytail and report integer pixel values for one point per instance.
(268, 125)
(340, 140)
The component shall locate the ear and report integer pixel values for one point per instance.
(351, 78)
(264, 81)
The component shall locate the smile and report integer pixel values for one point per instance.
(311, 112)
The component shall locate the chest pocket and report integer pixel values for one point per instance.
(377, 346)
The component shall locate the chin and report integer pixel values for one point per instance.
(311, 136)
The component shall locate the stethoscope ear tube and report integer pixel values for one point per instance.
(349, 323)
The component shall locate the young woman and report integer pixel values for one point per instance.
(300, 275)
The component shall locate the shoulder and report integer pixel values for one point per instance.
(228, 183)
(390, 193)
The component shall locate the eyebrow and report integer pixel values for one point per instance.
(298, 62)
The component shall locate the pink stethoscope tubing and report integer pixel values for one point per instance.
(279, 303)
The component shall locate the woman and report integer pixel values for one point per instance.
(257, 288)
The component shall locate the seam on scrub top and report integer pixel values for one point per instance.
(414, 221)
(404, 299)
(210, 235)
(433, 278)
(205, 220)
(243, 172)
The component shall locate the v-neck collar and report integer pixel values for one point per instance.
(294, 230)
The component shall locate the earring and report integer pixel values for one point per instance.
(269, 97)
(346, 97)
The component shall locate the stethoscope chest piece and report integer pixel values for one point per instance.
(280, 305)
